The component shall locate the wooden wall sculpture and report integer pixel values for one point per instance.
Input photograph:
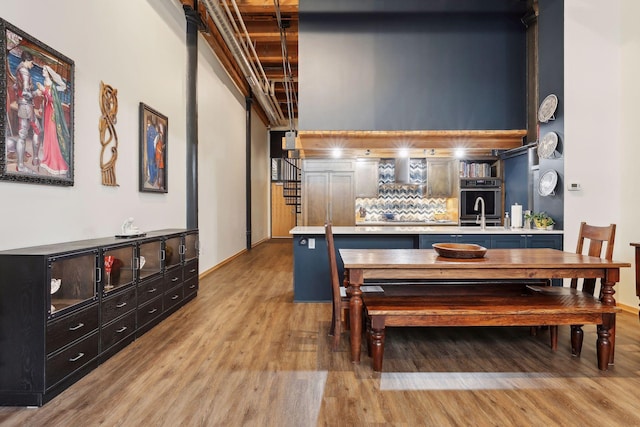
(108, 134)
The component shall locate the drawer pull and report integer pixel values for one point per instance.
(192, 286)
(78, 357)
(150, 291)
(121, 330)
(122, 304)
(175, 279)
(193, 270)
(78, 326)
(175, 297)
(152, 311)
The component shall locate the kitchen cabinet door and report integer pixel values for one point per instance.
(508, 241)
(342, 204)
(315, 197)
(441, 175)
(328, 196)
(367, 178)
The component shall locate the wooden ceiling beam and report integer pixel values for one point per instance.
(395, 140)
(266, 6)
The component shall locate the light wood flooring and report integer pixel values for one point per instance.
(243, 354)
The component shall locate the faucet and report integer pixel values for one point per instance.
(480, 219)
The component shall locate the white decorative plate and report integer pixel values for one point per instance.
(547, 108)
(547, 183)
(547, 145)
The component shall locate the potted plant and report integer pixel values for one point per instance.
(542, 221)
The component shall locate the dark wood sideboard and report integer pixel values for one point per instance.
(67, 307)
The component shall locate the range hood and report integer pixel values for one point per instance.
(402, 170)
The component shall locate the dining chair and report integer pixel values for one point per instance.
(597, 237)
(340, 300)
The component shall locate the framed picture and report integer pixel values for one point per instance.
(36, 110)
(153, 150)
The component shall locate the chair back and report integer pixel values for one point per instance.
(333, 268)
(597, 237)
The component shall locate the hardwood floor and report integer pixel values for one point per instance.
(243, 354)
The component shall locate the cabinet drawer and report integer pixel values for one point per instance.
(149, 311)
(190, 270)
(173, 297)
(117, 305)
(118, 330)
(69, 328)
(73, 358)
(173, 278)
(149, 290)
(190, 286)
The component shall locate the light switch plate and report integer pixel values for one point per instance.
(312, 243)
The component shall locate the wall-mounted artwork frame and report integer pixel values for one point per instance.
(36, 110)
(153, 150)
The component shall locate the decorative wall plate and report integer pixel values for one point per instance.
(547, 183)
(547, 145)
(547, 108)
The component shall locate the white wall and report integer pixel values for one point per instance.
(599, 150)
(221, 164)
(139, 48)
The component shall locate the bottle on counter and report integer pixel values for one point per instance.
(507, 220)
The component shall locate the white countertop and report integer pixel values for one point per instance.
(442, 229)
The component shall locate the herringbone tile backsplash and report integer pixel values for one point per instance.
(405, 201)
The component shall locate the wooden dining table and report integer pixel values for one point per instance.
(514, 264)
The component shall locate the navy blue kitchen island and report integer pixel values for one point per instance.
(311, 281)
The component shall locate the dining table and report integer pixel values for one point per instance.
(413, 265)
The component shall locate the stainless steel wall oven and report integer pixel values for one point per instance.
(490, 190)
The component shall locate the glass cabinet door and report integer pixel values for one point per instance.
(190, 246)
(172, 251)
(72, 281)
(118, 267)
(149, 259)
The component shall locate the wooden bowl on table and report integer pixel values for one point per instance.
(460, 250)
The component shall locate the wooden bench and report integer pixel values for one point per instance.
(512, 306)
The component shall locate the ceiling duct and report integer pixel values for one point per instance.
(245, 55)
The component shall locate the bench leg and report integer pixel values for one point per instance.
(377, 342)
(603, 348)
(577, 335)
(605, 342)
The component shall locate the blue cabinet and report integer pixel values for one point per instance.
(509, 241)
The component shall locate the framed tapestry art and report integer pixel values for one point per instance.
(153, 150)
(36, 110)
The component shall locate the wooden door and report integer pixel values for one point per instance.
(283, 216)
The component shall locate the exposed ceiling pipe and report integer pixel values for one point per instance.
(286, 66)
(252, 69)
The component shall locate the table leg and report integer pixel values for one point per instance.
(377, 343)
(355, 313)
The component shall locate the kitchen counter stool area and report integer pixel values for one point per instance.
(311, 280)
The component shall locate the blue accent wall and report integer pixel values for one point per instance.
(551, 80)
(407, 70)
